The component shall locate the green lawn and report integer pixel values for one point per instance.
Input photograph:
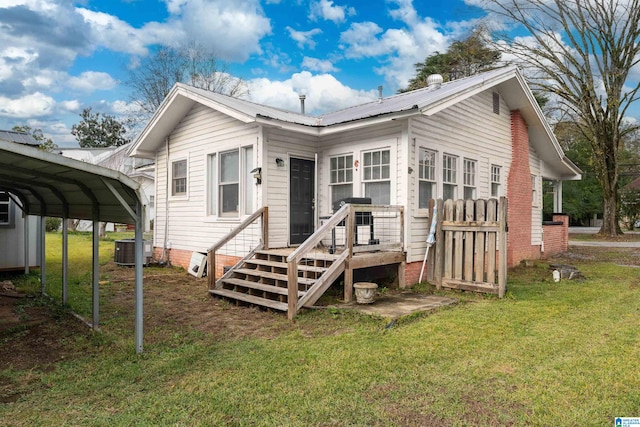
(549, 354)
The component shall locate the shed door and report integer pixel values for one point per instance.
(301, 202)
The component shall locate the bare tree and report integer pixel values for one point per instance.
(582, 52)
(152, 80)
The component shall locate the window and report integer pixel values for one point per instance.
(377, 176)
(469, 178)
(449, 176)
(5, 217)
(496, 171)
(341, 170)
(229, 184)
(534, 191)
(426, 177)
(179, 178)
(152, 201)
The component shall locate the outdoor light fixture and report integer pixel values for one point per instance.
(257, 174)
(279, 162)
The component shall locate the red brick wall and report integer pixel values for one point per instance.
(412, 271)
(556, 236)
(181, 258)
(177, 257)
(519, 195)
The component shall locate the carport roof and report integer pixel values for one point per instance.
(52, 185)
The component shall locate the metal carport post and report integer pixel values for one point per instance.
(51, 185)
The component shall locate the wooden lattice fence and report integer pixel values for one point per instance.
(471, 246)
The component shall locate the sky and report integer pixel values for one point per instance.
(58, 57)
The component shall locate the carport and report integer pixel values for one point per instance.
(49, 185)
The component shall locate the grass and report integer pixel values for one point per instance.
(549, 353)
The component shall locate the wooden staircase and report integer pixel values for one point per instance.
(263, 279)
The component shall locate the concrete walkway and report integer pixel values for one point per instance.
(395, 305)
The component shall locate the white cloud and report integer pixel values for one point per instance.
(325, 9)
(72, 106)
(324, 93)
(33, 105)
(304, 37)
(231, 28)
(320, 65)
(90, 81)
(113, 33)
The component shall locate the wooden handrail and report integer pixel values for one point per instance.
(211, 252)
(233, 233)
(313, 240)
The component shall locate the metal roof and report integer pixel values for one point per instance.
(508, 81)
(52, 185)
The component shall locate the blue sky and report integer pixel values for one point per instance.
(58, 56)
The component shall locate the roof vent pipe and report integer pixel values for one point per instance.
(380, 93)
(302, 98)
(435, 81)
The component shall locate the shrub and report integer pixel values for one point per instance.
(53, 224)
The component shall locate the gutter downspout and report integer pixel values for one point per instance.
(165, 255)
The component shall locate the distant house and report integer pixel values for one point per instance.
(116, 158)
(219, 158)
(15, 228)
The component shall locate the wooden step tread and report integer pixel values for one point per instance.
(259, 286)
(323, 256)
(276, 305)
(274, 276)
(301, 267)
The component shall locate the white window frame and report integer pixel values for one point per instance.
(245, 182)
(340, 177)
(534, 190)
(427, 173)
(495, 180)
(6, 203)
(185, 193)
(370, 169)
(469, 178)
(450, 174)
(221, 185)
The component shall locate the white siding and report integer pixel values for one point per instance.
(201, 132)
(12, 242)
(284, 145)
(535, 165)
(469, 129)
(386, 136)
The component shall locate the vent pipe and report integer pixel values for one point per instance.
(380, 94)
(302, 98)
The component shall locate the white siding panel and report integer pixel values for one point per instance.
(469, 129)
(201, 132)
(535, 164)
(284, 145)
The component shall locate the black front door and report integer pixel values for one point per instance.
(301, 203)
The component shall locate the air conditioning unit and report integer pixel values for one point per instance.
(125, 252)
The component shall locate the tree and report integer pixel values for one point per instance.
(463, 59)
(581, 52)
(99, 130)
(46, 144)
(152, 80)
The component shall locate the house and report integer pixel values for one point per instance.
(19, 234)
(116, 158)
(218, 159)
